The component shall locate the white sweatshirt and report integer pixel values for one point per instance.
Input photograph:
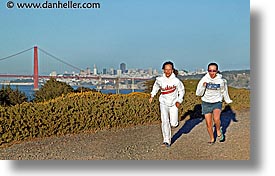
(216, 89)
(172, 90)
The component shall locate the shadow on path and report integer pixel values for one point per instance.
(227, 115)
(196, 117)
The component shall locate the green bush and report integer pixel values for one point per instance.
(10, 97)
(52, 89)
(74, 113)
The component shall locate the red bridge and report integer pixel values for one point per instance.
(36, 76)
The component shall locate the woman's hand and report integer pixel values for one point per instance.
(150, 100)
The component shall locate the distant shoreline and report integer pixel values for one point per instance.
(16, 84)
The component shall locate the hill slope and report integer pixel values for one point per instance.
(235, 78)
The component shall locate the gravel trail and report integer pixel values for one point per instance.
(142, 143)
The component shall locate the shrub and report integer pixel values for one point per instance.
(52, 89)
(78, 112)
(10, 97)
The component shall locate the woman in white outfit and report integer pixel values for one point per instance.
(213, 89)
(172, 92)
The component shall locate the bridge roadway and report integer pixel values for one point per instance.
(74, 77)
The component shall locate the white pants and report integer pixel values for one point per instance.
(169, 117)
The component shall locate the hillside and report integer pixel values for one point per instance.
(92, 111)
(91, 125)
(235, 78)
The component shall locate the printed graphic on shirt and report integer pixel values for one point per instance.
(168, 89)
(212, 86)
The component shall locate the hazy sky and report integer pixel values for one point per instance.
(142, 34)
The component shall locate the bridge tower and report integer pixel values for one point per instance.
(133, 84)
(35, 71)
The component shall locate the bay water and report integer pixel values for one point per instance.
(29, 91)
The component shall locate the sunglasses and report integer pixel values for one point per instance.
(212, 70)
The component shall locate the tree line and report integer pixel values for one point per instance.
(50, 90)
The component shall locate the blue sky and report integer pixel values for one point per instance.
(142, 34)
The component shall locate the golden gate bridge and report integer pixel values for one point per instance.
(35, 76)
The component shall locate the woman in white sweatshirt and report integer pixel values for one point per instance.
(172, 92)
(213, 89)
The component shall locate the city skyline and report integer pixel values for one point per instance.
(142, 34)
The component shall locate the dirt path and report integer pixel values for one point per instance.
(142, 143)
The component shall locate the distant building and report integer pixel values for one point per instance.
(83, 72)
(95, 70)
(53, 73)
(112, 71)
(119, 72)
(123, 67)
(155, 72)
(104, 71)
(150, 71)
(115, 72)
(88, 71)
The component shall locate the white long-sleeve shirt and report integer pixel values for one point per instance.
(215, 90)
(172, 89)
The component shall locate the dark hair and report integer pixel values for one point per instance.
(175, 71)
(168, 63)
(215, 64)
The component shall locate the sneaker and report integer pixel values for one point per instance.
(221, 137)
(166, 144)
(175, 126)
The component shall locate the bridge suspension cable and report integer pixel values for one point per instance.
(4, 58)
(60, 60)
(47, 53)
